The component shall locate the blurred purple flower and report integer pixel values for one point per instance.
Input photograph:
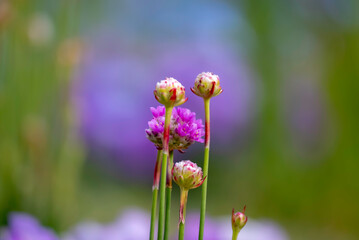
(192, 228)
(109, 101)
(133, 224)
(254, 230)
(86, 231)
(113, 87)
(231, 111)
(111, 97)
(185, 129)
(221, 228)
(25, 227)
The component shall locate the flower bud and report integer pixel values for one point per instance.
(170, 92)
(187, 175)
(239, 220)
(207, 85)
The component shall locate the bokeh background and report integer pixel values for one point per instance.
(76, 84)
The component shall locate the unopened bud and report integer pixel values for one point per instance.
(207, 85)
(239, 220)
(170, 92)
(187, 175)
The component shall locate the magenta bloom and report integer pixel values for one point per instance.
(185, 129)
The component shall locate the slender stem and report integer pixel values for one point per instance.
(184, 196)
(235, 235)
(168, 194)
(169, 169)
(153, 212)
(156, 180)
(181, 231)
(205, 169)
(161, 215)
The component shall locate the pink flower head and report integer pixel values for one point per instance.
(187, 175)
(207, 85)
(170, 92)
(185, 129)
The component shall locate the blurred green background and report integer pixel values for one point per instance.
(295, 160)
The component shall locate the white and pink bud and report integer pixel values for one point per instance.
(239, 220)
(187, 175)
(170, 92)
(207, 85)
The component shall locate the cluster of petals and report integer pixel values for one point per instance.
(187, 174)
(185, 129)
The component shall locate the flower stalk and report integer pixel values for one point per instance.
(168, 194)
(206, 85)
(183, 202)
(239, 220)
(205, 167)
(170, 93)
(155, 186)
(165, 152)
(188, 176)
(235, 235)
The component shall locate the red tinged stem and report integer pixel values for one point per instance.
(169, 179)
(157, 172)
(207, 133)
(161, 214)
(166, 136)
(155, 187)
(205, 168)
(169, 170)
(183, 203)
(156, 176)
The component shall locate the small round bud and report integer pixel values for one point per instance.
(239, 220)
(187, 175)
(207, 85)
(170, 92)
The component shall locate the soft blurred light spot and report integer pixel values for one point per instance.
(40, 30)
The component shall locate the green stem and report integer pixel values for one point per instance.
(235, 235)
(168, 194)
(205, 169)
(184, 196)
(155, 193)
(153, 212)
(161, 215)
(168, 207)
(181, 231)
